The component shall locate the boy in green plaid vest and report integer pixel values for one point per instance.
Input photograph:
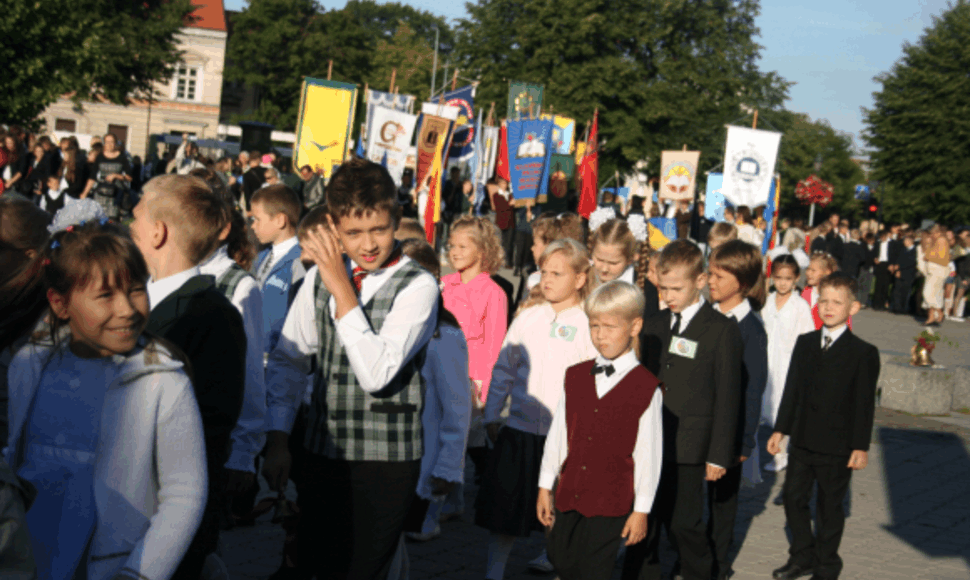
(368, 313)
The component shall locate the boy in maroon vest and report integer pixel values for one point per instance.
(605, 444)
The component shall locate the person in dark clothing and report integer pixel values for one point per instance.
(405, 197)
(252, 179)
(501, 200)
(833, 241)
(882, 272)
(905, 275)
(855, 255)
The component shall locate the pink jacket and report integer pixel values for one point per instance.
(481, 309)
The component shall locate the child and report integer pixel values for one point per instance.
(616, 252)
(696, 352)
(905, 274)
(276, 213)
(546, 229)
(176, 225)
(819, 267)
(52, 194)
(367, 311)
(103, 410)
(721, 232)
(620, 438)
(827, 410)
(786, 316)
(737, 291)
(653, 278)
(549, 334)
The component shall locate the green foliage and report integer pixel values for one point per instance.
(95, 49)
(411, 56)
(663, 73)
(917, 125)
(382, 22)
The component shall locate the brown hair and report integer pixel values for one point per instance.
(359, 187)
(743, 214)
(578, 259)
(828, 261)
(14, 154)
(743, 261)
(239, 245)
(23, 227)
(786, 261)
(278, 199)
(187, 205)
(421, 252)
(313, 218)
(487, 238)
(69, 165)
(840, 280)
(721, 232)
(616, 232)
(408, 229)
(681, 253)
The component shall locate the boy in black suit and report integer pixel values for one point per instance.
(696, 353)
(827, 410)
(905, 275)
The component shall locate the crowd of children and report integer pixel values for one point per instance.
(151, 368)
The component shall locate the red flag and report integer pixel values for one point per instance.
(502, 163)
(589, 170)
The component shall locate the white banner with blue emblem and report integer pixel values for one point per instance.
(749, 164)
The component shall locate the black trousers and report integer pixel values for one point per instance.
(679, 506)
(901, 291)
(508, 237)
(583, 548)
(352, 514)
(880, 294)
(523, 250)
(821, 549)
(722, 503)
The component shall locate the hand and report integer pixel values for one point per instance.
(323, 247)
(440, 486)
(477, 401)
(774, 443)
(714, 473)
(239, 482)
(492, 431)
(544, 509)
(636, 528)
(742, 458)
(276, 468)
(858, 460)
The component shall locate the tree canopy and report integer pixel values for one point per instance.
(95, 49)
(918, 126)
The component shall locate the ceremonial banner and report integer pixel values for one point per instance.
(402, 103)
(771, 217)
(529, 142)
(463, 133)
(713, 198)
(434, 135)
(502, 158)
(489, 153)
(525, 100)
(563, 134)
(667, 226)
(677, 172)
(618, 192)
(441, 110)
(390, 137)
(656, 237)
(749, 164)
(323, 127)
(589, 171)
(432, 212)
(563, 163)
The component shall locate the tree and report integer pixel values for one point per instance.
(93, 49)
(382, 22)
(918, 126)
(411, 56)
(662, 73)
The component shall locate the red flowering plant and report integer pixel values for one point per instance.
(813, 190)
(928, 340)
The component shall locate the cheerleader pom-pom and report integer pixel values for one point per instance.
(638, 226)
(77, 213)
(600, 217)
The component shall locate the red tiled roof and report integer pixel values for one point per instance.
(209, 14)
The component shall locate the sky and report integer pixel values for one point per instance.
(832, 49)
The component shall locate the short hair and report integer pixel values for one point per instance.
(616, 297)
(743, 261)
(187, 205)
(487, 238)
(421, 252)
(840, 280)
(722, 232)
(359, 187)
(681, 253)
(306, 168)
(744, 214)
(408, 229)
(315, 217)
(278, 199)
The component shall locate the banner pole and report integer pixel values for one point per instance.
(754, 123)
(393, 77)
(454, 80)
(330, 70)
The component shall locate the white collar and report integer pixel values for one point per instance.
(834, 334)
(687, 315)
(217, 262)
(281, 248)
(622, 363)
(159, 290)
(738, 312)
(628, 275)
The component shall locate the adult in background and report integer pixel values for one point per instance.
(865, 270)
(252, 179)
(313, 191)
(937, 268)
(16, 167)
(854, 255)
(405, 197)
(186, 157)
(109, 177)
(501, 199)
(834, 243)
(882, 272)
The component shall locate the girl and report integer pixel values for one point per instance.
(747, 232)
(546, 229)
(937, 267)
(104, 422)
(820, 265)
(786, 317)
(653, 278)
(617, 252)
(549, 334)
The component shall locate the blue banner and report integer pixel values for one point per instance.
(668, 226)
(769, 217)
(463, 135)
(713, 200)
(530, 149)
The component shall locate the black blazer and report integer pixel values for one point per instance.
(651, 305)
(894, 250)
(853, 258)
(702, 397)
(834, 245)
(829, 399)
(202, 322)
(906, 260)
(818, 245)
(754, 378)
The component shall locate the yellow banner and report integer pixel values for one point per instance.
(323, 128)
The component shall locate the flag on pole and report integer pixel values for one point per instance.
(476, 166)
(771, 216)
(502, 165)
(432, 212)
(589, 173)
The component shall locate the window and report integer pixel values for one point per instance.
(186, 83)
(66, 125)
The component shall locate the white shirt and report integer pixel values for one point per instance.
(248, 437)
(814, 297)
(884, 251)
(628, 275)
(279, 250)
(159, 290)
(737, 313)
(375, 358)
(687, 315)
(647, 452)
(834, 334)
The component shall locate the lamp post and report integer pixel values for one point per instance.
(811, 212)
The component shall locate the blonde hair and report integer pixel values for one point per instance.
(616, 232)
(187, 205)
(616, 297)
(487, 238)
(578, 259)
(827, 260)
(721, 232)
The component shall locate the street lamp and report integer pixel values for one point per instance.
(818, 168)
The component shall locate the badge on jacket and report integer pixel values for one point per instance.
(681, 346)
(563, 331)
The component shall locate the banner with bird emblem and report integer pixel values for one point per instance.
(323, 127)
(678, 171)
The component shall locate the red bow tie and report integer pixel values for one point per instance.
(358, 274)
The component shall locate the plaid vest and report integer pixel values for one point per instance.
(230, 279)
(344, 421)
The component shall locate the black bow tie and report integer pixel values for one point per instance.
(597, 369)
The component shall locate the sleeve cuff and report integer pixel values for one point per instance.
(547, 480)
(241, 461)
(643, 504)
(280, 419)
(352, 326)
(715, 465)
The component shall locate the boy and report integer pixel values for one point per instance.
(696, 352)
(827, 410)
(276, 213)
(596, 507)
(367, 315)
(905, 274)
(176, 225)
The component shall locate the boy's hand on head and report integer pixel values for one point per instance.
(714, 472)
(774, 443)
(635, 529)
(858, 460)
(323, 247)
(544, 509)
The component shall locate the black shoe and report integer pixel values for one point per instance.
(790, 571)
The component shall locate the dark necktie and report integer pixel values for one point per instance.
(676, 329)
(827, 340)
(264, 267)
(597, 369)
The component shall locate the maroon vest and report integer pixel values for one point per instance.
(597, 477)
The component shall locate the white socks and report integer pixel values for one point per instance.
(499, 548)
